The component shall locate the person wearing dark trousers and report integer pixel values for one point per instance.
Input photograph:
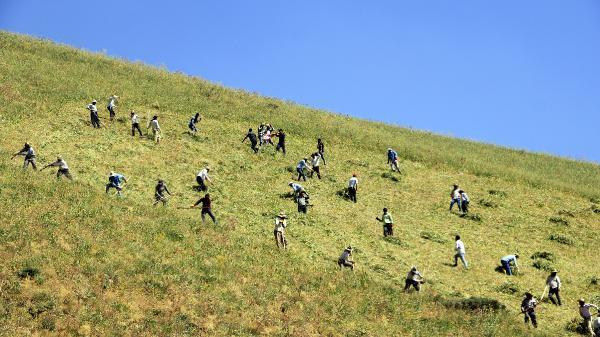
(63, 168)
(413, 279)
(135, 124)
(321, 149)
(253, 140)
(464, 201)
(202, 177)
(345, 260)
(302, 164)
(302, 201)
(316, 164)
(353, 187)
(111, 106)
(507, 260)
(281, 143)
(192, 123)
(159, 193)
(388, 223)
(553, 284)
(29, 154)
(528, 309)
(94, 114)
(455, 197)
(206, 208)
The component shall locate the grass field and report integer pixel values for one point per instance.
(75, 261)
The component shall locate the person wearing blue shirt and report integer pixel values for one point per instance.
(114, 181)
(393, 159)
(300, 168)
(506, 261)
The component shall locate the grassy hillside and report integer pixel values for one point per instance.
(76, 261)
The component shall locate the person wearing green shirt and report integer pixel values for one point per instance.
(388, 223)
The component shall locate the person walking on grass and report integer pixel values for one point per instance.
(455, 197)
(63, 168)
(114, 181)
(279, 230)
(506, 262)
(302, 201)
(413, 279)
(393, 160)
(388, 223)
(29, 154)
(459, 249)
(156, 131)
(321, 150)
(94, 118)
(135, 124)
(584, 312)
(553, 284)
(262, 128)
(464, 201)
(281, 141)
(111, 106)
(202, 177)
(159, 193)
(302, 165)
(192, 123)
(528, 309)
(316, 164)
(206, 208)
(253, 140)
(353, 187)
(345, 260)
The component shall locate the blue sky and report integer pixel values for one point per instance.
(523, 74)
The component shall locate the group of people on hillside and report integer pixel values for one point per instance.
(311, 165)
(460, 198)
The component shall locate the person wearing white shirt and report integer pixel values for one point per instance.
(413, 279)
(63, 168)
(303, 164)
(316, 163)
(352, 187)
(111, 106)
(279, 230)
(455, 197)
(553, 284)
(202, 178)
(135, 124)
(459, 248)
(155, 129)
(94, 114)
(584, 312)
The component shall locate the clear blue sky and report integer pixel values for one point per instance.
(524, 74)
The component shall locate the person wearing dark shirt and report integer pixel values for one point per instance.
(253, 140)
(193, 121)
(29, 154)
(528, 309)
(206, 208)
(321, 149)
(281, 143)
(159, 193)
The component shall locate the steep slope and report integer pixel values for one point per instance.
(101, 265)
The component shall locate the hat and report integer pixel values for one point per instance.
(349, 248)
(305, 158)
(112, 173)
(161, 181)
(528, 294)
(94, 101)
(581, 300)
(282, 214)
(291, 183)
(59, 158)
(554, 271)
(413, 268)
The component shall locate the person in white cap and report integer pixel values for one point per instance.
(584, 312)
(94, 114)
(393, 160)
(202, 177)
(279, 230)
(345, 259)
(553, 284)
(63, 168)
(156, 131)
(111, 106)
(135, 124)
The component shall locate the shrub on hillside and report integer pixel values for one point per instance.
(40, 302)
(435, 237)
(475, 303)
(509, 288)
(498, 193)
(471, 216)
(594, 281)
(562, 239)
(595, 209)
(564, 212)
(543, 255)
(487, 203)
(543, 265)
(559, 221)
(28, 272)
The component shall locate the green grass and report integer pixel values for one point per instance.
(76, 261)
